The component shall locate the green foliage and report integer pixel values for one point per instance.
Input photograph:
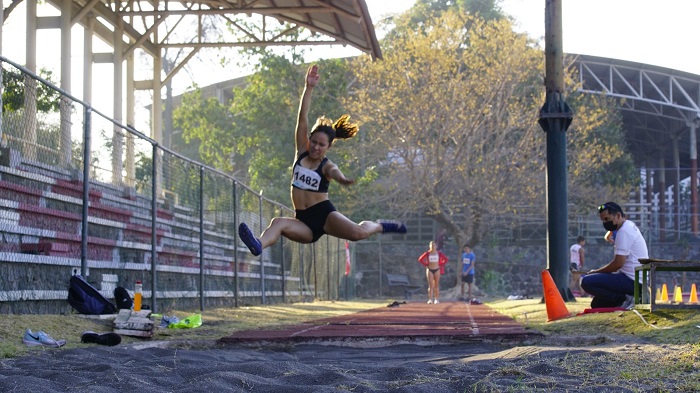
(490, 282)
(458, 122)
(485, 9)
(448, 123)
(144, 171)
(15, 85)
(254, 137)
(208, 122)
(600, 167)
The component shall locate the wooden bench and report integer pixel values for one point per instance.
(401, 280)
(644, 295)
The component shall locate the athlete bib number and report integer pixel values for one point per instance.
(306, 179)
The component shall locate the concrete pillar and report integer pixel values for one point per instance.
(157, 118)
(650, 195)
(2, 21)
(676, 188)
(65, 104)
(30, 84)
(130, 120)
(662, 200)
(693, 176)
(118, 134)
(87, 58)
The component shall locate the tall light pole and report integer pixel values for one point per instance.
(555, 118)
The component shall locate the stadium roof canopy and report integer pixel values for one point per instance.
(658, 105)
(162, 24)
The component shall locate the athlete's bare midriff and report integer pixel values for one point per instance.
(436, 263)
(302, 199)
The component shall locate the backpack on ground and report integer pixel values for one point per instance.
(122, 298)
(86, 299)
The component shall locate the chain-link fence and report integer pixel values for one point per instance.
(151, 215)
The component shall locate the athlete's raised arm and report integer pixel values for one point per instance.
(302, 130)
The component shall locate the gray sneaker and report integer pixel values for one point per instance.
(628, 304)
(41, 339)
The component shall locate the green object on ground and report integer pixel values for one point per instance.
(193, 321)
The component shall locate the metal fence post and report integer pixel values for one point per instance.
(201, 238)
(315, 267)
(262, 263)
(154, 216)
(284, 276)
(302, 278)
(235, 245)
(328, 268)
(87, 141)
(381, 291)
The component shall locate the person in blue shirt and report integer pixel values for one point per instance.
(468, 260)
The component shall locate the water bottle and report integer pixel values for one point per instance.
(137, 296)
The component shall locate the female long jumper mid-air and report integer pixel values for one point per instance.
(315, 215)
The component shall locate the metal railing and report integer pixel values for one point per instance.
(81, 192)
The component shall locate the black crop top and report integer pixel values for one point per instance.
(308, 179)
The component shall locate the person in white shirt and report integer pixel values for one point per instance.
(576, 258)
(613, 284)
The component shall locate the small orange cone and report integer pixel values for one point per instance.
(664, 293)
(678, 295)
(693, 294)
(556, 309)
(658, 294)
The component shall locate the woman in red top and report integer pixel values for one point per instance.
(435, 262)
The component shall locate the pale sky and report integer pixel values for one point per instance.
(645, 31)
(662, 33)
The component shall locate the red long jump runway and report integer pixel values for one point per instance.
(413, 321)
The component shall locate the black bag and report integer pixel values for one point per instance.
(122, 298)
(86, 299)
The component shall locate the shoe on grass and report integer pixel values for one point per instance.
(249, 239)
(628, 304)
(41, 339)
(108, 339)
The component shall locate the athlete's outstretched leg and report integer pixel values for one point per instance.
(291, 228)
(340, 226)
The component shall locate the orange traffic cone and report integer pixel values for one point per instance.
(664, 293)
(678, 295)
(556, 309)
(693, 294)
(658, 294)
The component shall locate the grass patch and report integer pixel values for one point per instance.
(634, 356)
(676, 327)
(667, 326)
(216, 323)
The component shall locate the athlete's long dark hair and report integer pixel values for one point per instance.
(341, 129)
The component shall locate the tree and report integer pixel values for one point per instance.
(208, 123)
(600, 169)
(485, 9)
(253, 139)
(13, 99)
(453, 114)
